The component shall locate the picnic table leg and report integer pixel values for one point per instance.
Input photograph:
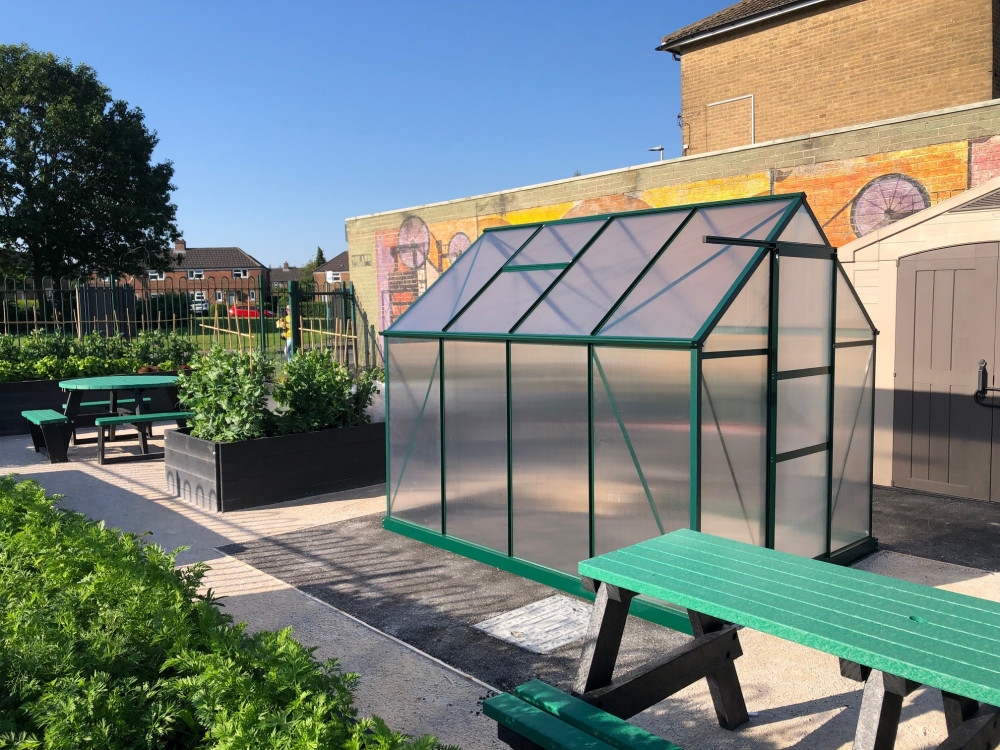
(981, 731)
(143, 445)
(957, 710)
(723, 681)
(881, 705)
(604, 635)
(71, 410)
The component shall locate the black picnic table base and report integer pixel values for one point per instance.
(711, 656)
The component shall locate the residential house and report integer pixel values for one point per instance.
(212, 274)
(334, 272)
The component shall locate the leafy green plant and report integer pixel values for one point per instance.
(106, 644)
(316, 392)
(227, 392)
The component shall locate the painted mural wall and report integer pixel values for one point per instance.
(851, 198)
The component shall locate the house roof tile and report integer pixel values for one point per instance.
(215, 258)
(745, 10)
(340, 263)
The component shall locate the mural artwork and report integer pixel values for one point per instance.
(851, 198)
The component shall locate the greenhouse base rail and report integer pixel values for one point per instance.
(656, 612)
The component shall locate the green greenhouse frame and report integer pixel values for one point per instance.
(570, 387)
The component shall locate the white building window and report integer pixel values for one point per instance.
(198, 274)
(241, 273)
(156, 275)
(218, 295)
(253, 295)
(332, 277)
(198, 296)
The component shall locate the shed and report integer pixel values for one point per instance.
(571, 387)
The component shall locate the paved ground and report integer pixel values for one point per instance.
(334, 549)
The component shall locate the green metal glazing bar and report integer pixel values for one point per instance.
(695, 473)
(849, 344)
(441, 376)
(871, 446)
(772, 400)
(548, 339)
(689, 273)
(645, 269)
(657, 612)
(388, 475)
(628, 444)
(416, 427)
(484, 287)
(726, 302)
(533, 267)
(559, 277)
(591, 359)
(734, 353)
(830, 394)
(510, 459)
(801, 452)
(644, 211)
(806, 372)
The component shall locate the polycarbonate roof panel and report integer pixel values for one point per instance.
(558, 243)
(802, 228)
(442, 301)
(685, 285)
(589, 289)
(505, 300)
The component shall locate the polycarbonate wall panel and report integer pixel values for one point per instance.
(475, 442)
(804, 308)
(600, 277)
(642, 444)
(688, 281)
(504, 302)
(744, 324)
(550, 455)
(414, 424)
(852, 444)
(557, 243)
(802, 228)
(800, 505)
(803, 404)
(734, 448)
(852, 325)
(456, 287)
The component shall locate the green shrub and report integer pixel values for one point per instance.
(227, 392)
(316, 393)
(105, 644)
(159, 347)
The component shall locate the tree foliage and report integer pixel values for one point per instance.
(320, 257)
(79, 192)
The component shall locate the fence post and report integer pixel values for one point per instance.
(263, 319)
(293, 324)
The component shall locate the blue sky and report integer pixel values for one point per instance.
(284, 119)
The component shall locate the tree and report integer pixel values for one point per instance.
(320, 258)
(79, 192)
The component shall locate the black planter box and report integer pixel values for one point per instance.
(231, 476)
(45, 394)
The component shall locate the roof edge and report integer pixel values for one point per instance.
(676, 45)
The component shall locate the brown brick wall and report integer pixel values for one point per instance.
(837, 66)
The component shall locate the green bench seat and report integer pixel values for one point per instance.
(106, 424)
(50, 432)
(551, 719)
(107, 404)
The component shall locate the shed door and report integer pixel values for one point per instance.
(945, 323)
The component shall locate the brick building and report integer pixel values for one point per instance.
(761, 70)
(212, 274)
(335, 271)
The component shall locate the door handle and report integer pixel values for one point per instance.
(983, 391)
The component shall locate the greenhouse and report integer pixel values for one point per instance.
(571, 387)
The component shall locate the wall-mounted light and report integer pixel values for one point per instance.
(657, 148)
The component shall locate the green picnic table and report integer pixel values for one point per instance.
(891, 634)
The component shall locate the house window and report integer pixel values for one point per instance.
(332, 277)
(241, 273)
(198, 274)
(156, 275)
(199, 296)
(253, 295)
(218, 295)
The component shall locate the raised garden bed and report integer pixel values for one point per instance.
(245, 474)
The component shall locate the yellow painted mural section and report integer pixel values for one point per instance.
(705, 191)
